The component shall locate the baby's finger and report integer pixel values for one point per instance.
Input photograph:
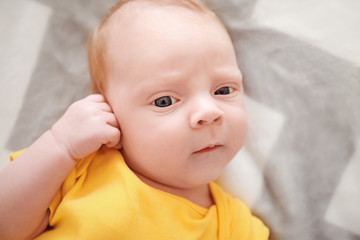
(117, 146)
(111, 120)
(113, 138)
(96, 98)
(104, 107)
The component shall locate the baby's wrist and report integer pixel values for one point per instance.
(60, 147)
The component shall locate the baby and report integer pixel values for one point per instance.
(137, 160)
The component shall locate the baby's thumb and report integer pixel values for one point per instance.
(117, 146)
(115, 140)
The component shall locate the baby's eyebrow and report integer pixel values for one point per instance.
(166, 79)
(229, 73)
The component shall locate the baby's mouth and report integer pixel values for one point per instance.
(209, 148)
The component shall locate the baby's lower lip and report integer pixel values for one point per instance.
(208, 149)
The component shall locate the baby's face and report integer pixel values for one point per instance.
(176, 90)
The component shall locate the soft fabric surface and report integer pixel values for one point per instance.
(300, 167)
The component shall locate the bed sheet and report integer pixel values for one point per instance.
(299, 169)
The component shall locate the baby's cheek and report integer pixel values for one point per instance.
(239, 129)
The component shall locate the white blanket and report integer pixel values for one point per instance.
(299, 169)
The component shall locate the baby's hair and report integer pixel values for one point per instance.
(97, 43)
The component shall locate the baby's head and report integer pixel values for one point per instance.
(168, 70)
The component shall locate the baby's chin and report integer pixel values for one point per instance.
(180, 182)
(202, 178)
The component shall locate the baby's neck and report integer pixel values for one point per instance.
(200, 195)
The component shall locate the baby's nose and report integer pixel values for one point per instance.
(206, 113)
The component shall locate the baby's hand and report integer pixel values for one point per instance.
(86, 126)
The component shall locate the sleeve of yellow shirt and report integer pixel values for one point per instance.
(68, 182)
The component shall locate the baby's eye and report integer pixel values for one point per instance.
(224, 91)
(164, 101)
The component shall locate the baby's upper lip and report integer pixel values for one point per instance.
(208, 148)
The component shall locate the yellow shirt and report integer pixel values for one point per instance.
(103, 199)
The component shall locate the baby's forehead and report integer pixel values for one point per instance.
(139, 28)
